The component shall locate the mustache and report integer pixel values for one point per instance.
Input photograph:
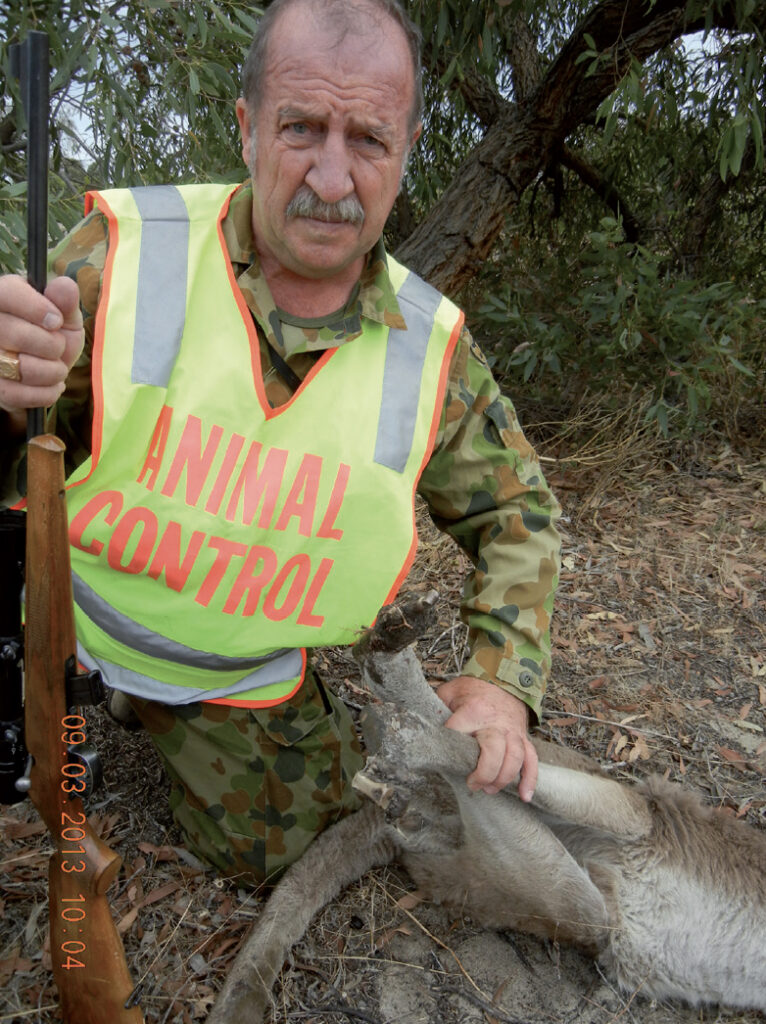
(306, 203)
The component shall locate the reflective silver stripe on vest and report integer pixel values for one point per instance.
(150, 689)
(162, 271)
(142, 639)
(405, 357)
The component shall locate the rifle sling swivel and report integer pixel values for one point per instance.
(83, 688)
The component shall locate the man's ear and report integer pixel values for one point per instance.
(416, 134)
(243, 116)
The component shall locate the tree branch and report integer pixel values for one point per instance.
(523, 54)
(480, 94)
(604, 189)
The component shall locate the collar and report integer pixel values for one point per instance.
(373, 298)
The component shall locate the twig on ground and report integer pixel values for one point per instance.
(483, 1004)
(627, 726)
(322, 1011)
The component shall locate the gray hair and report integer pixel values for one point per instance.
(339, 14)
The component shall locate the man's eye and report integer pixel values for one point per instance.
(297, 129)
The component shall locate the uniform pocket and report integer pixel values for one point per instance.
(288, 723)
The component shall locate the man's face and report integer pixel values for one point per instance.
(332, 124)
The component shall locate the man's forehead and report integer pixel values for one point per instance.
(366, 84)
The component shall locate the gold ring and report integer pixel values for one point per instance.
(10, 368)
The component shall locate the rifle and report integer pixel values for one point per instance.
(89, 965)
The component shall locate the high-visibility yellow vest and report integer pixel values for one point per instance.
(213, 537)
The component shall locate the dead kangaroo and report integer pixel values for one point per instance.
(668, 894)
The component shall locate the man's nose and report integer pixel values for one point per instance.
(330, 172)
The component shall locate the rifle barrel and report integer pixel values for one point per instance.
(37, 72)
(34, 67)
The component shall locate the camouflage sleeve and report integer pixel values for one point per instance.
(80, 255)
(484, 487)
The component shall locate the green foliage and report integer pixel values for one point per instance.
(141, 92)
(618, 318)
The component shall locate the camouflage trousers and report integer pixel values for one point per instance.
(252, 788)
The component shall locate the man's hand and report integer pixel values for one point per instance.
(45, 333)
(498, 720)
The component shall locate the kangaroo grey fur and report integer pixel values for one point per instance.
(668, 894)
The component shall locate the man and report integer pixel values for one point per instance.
(246, 491)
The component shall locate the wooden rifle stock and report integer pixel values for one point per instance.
(88, 958)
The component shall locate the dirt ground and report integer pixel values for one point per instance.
(659, 667)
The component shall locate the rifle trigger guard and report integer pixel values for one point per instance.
(82, 688)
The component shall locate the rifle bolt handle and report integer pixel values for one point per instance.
(24, 784)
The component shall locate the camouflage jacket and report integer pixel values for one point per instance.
(483, 484)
